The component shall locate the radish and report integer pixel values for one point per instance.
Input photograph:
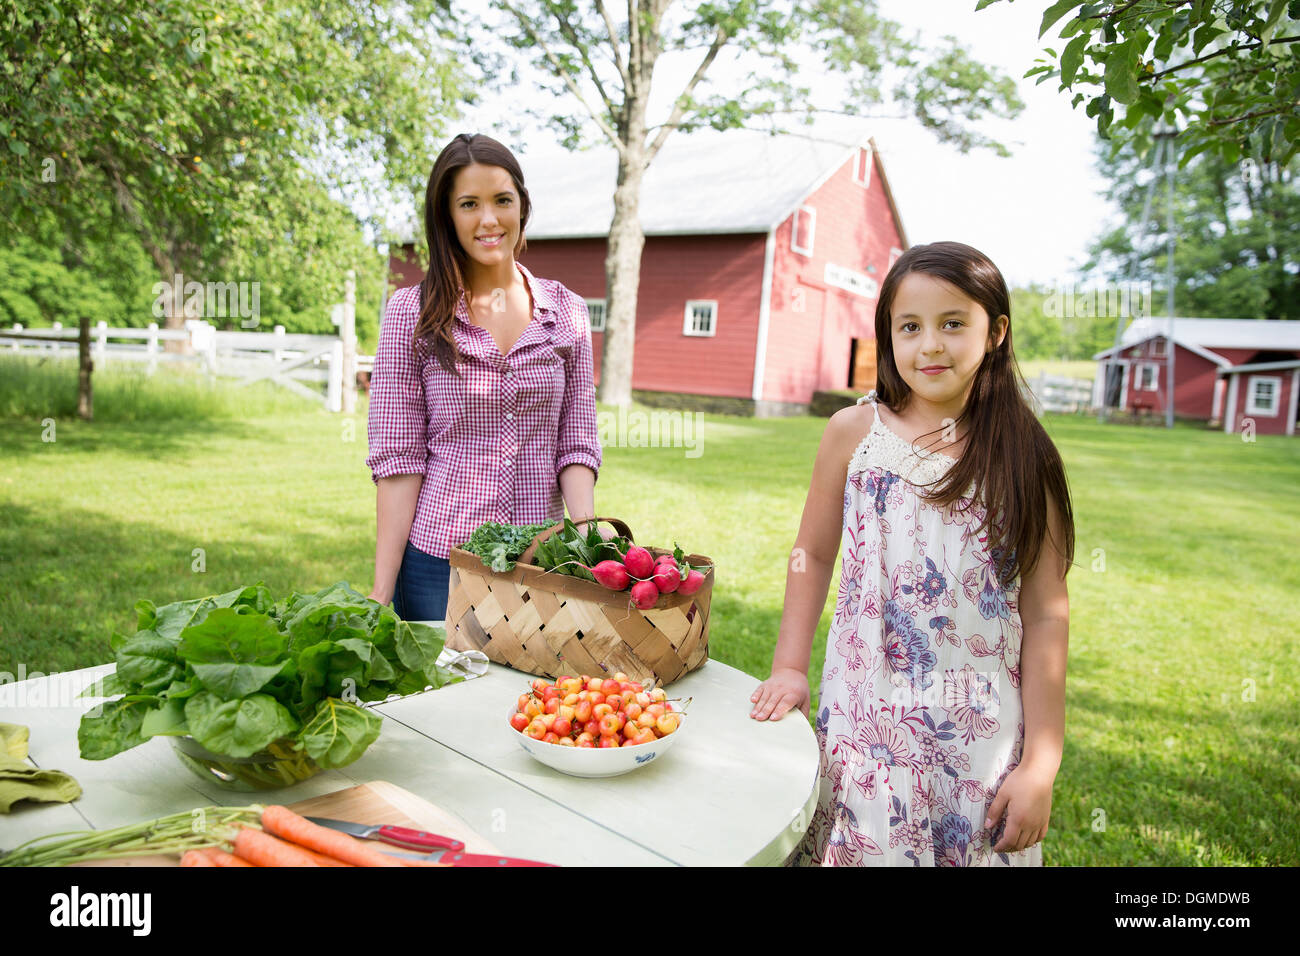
(667, 578)
(692, 583)
(639, 562)
(644, 594)
(611, 574)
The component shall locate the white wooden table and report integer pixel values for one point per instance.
(732, 791)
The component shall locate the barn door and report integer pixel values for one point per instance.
(862, 368)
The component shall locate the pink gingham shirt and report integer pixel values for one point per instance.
(492, 443)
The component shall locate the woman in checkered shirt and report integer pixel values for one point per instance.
(482, 402)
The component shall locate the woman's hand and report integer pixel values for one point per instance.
(606, 532)
(787, 688)
(1026, 798)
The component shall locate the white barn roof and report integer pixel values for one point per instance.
(1214, 333)
(701, 183)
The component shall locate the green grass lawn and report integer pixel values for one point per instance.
(1182, 746)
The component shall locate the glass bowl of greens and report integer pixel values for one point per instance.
(258, 694)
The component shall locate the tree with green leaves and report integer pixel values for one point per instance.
(1225, 74)
(223, 136)
(1238, 253)
(600, 63)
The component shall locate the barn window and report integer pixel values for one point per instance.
(802, 230)
(1265, 391)
(862, 166)
(701, 317)
(596, 310)
(1148, 376)
(1158, 348)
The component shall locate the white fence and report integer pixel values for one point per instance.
(1055, 393)
(300, 363)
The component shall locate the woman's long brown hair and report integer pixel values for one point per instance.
(1010, 459)
(442, 286)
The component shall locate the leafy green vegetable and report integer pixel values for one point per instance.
(169, 720)
(114, 729)
(240, 728)
(110, 685)
(240, 671)
(500, 545)
(234, 654)
(339, 733)
(148, 662)
(570, 552)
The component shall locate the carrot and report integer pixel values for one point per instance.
(195, 858)
(219, 857)
(262, 849)
(321, 859)
(285, 823)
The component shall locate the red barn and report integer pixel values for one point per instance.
(1243, 373)
(762, 262)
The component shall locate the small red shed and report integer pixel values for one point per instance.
(1241, 373)
(762, 262)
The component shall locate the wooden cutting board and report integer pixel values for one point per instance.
(374, 802)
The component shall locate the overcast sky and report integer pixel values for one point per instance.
(1033, 213)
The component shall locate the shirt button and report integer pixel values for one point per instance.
(510, 416)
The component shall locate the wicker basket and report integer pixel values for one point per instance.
(548, 623)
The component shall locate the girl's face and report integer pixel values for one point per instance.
(485, 211)
(940, 337)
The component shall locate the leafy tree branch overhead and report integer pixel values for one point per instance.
(597, 62)
(1225, 73)
(223, 134)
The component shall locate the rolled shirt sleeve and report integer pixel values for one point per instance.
(397, 428)
(578, 440)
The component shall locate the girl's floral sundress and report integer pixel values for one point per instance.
(919, 717)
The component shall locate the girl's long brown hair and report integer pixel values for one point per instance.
(1010, 459)
(442, 286)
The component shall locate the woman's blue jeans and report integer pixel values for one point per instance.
(421, 590)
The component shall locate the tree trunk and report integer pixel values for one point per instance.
(173, 299)
(626, 240)
(85, 399)
(623, 280)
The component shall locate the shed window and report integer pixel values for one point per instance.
(1148, 377)
(701, 317)
(1265, 393)
(1158, 348)
(803, 230)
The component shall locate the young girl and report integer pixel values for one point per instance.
(942, 706)
(482, 406)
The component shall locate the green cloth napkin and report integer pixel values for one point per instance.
(19, 780)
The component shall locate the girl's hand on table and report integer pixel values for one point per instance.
(1026, 798)
(786, 689)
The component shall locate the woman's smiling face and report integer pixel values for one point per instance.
(485, 211)
(940, 336)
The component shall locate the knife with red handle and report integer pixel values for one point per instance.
(397, 836)
(438, 849)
